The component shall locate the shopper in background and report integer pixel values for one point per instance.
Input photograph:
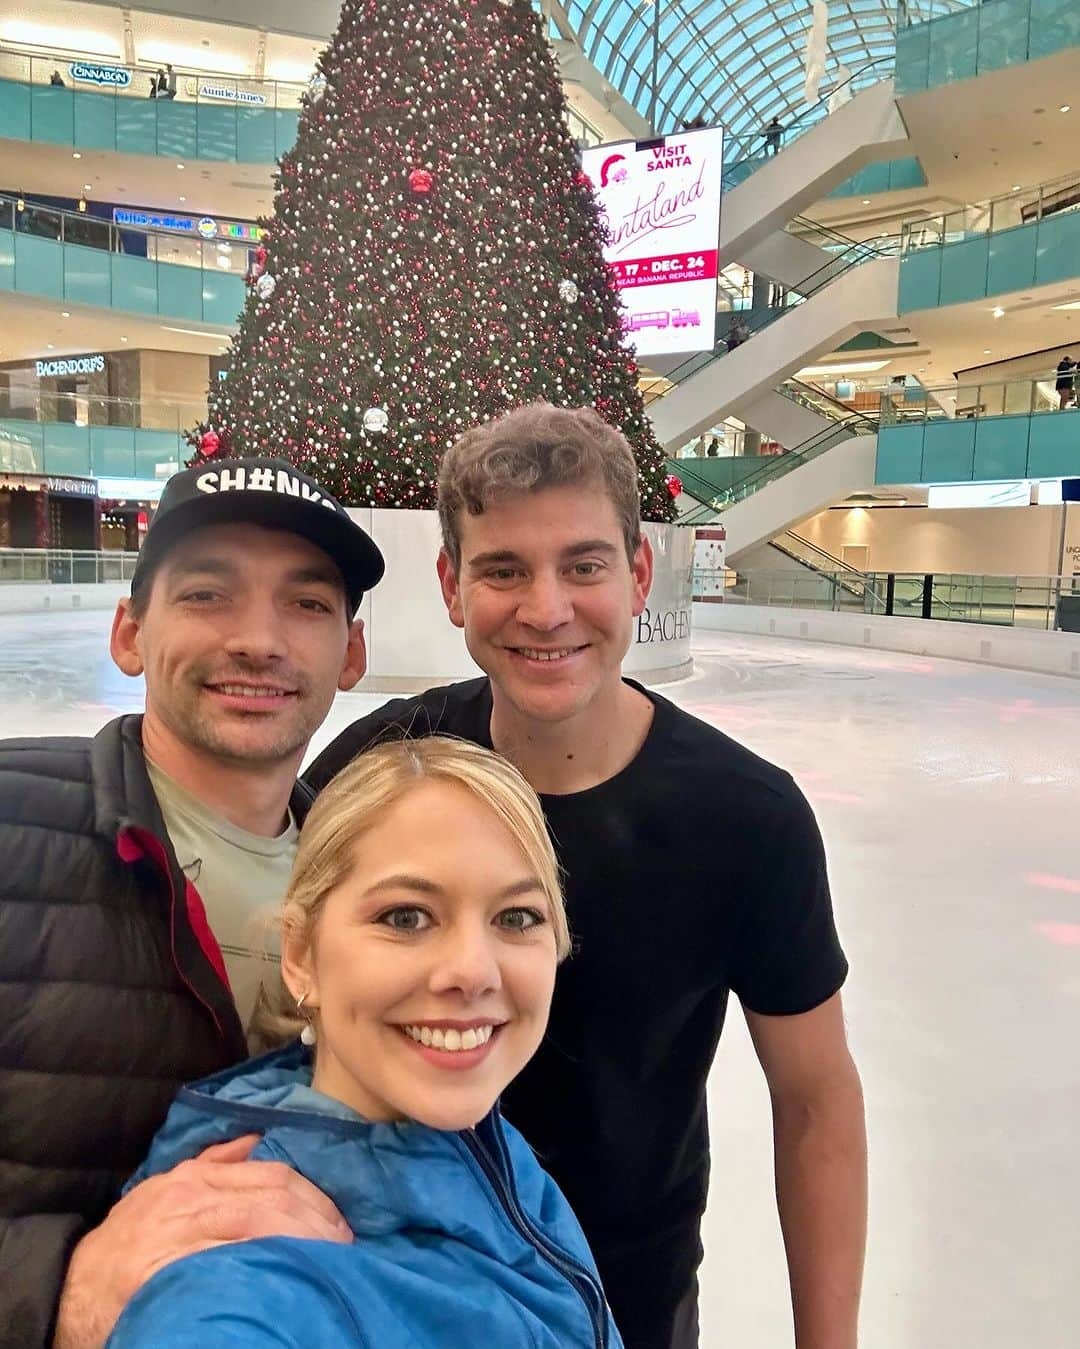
(57, 80)
(1066, 381)
(773, 134)
(545, 568)
(133, 869)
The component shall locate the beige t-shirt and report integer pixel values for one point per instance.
(241, 879)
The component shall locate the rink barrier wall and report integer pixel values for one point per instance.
(1055, 653)
(411, 644)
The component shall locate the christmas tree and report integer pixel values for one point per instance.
(434, 258)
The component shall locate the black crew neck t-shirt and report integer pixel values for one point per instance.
(696, 870)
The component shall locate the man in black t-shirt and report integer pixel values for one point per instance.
(545, 568)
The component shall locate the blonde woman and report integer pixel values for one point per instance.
(420, 938)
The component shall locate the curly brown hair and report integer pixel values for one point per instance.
(532, 448)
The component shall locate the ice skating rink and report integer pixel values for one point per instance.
(949, 798)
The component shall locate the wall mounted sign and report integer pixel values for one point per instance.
(90, 72)
(70, 365)
(971, 495)
(660, 204)
(207, 227)
(229, 94)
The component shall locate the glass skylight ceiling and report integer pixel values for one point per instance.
(740, 63)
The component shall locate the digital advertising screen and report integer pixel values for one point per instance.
(660, 200)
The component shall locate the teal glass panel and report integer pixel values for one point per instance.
(67, 449)
(158, 447)
(177, 129)
(112, 451)
(286, 129)
(912, 58)
(7, 260)
(95, 120)
(223, 297)
(920, 279)
(1055, 25)
(255, 136)
(134, 284)
(1058, 250)
(1001, 448)
(180, 291)
(137, 126)
(22, 446)
(905, 173)
(899, 453)
(953, 48)
(963, 270)
(216, 132)
(1053, 448)
(1003, 34)
(87, 275)
(1011, 263)
(52, 115)
(948, 451)
(15, 110)
(39, 266)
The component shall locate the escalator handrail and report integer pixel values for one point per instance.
(836, 577)
(809, 286)
(808, 118)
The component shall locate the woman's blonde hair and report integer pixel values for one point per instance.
(351, 804)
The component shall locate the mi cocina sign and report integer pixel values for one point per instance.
(660, 201)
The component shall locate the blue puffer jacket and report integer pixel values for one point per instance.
(461, 1238)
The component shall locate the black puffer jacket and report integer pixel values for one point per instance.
(112, 994)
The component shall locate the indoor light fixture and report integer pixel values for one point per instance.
(123, 339)
(65, 314)
(1066, 107)
(1074, 305)
(999, 313)
(1016, 187)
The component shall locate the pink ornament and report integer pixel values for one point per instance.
(421, 182)
(209, 443)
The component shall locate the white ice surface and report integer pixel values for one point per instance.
(948, 798)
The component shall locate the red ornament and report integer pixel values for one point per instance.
(209, 443)
(421, 182)
(261, 255)
(674, 485)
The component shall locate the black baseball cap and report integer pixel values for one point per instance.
(260, 492)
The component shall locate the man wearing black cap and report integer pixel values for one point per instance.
(132, 870)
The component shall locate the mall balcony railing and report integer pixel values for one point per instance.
(112, 77)
(93, 410)
(1021, 206)
(93, 436)
(980, 38)
(56, 566)
(1033, 602)
(22, 215)
(1022, 397)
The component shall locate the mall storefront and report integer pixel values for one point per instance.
(49, 512)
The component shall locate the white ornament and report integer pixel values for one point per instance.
(568, 292)
(317, 87)
(376, 420)
(265, 286)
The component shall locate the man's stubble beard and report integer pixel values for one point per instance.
(207, 736)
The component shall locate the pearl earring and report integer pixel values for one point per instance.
(308, 1035)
